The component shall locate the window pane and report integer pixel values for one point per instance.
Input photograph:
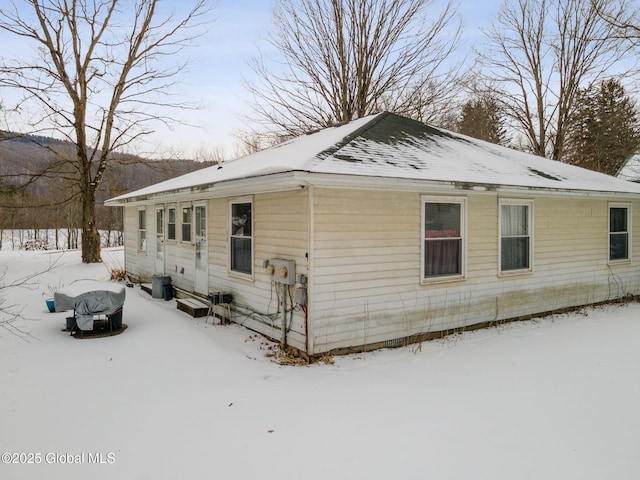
(442, 220)
(442, 257)
(618, 233)
(514, 220)
(159, 222)
(141, 219)
(515, 253)
(186, 224)
(186, 232)
(241, 219)
(618, 246)
(618, 220)
(241, 255)
(201, 221)
(171, 224)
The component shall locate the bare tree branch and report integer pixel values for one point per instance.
(344, 59)
(539, 53)
(9, 314)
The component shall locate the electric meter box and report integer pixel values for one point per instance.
(284, 271)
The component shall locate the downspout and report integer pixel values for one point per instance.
(308, 311)
(283, 299)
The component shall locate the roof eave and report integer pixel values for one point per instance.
(292, 180)
(272, 182)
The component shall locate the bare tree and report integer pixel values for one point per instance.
(101, 68)
(10, 313)
(539, 53)
(213, 155)
(344, 59)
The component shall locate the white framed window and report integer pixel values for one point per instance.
(516, 236)
(241, 236)
(142, 230)
(186, 223)
(444, 221)
(171, 223)
(619, 232)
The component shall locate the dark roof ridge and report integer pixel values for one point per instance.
(353, 135)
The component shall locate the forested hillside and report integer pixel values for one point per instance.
(37, 188)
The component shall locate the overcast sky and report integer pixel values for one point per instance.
(219, 65)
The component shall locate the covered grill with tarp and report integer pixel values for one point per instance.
(88, 298)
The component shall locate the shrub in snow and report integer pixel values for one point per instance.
(36, 245)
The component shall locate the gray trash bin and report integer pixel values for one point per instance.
(158, 282)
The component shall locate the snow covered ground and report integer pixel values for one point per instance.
(175, 398)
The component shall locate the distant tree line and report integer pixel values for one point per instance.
(37, 191)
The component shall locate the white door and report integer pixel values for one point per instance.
(201, 283)
(160, 240)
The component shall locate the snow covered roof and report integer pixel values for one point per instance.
(630, 171)
(386, 145)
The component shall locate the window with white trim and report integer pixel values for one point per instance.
(516, 240)
(186, 224)
(171, 224)
(619, 232)
(241, 238)
(443, 232)
(142, 230)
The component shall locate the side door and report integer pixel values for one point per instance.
(160, 238)
(201, 281)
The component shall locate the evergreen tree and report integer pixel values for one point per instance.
(604, 129)
(481, 118)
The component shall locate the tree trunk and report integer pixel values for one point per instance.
(90, 235)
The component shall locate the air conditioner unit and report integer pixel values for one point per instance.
(217, 298)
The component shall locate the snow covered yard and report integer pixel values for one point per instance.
(173, 397)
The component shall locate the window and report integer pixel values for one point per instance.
(619, 228)
(171, 224)
(443, 246)
(241, 238)
(142, 230)
(186, 224)
(515, 235)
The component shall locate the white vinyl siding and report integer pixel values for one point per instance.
(367, 255)
(362, 252)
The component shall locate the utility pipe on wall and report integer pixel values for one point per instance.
(284, 313)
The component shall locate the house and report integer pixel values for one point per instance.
(630, 170)
(384, 230)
